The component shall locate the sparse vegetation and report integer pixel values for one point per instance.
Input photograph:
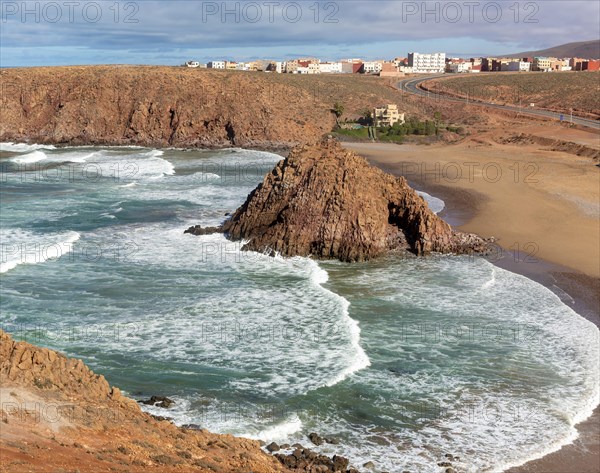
(398, 132)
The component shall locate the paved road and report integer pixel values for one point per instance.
(411, 86)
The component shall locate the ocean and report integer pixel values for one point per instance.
(401, 360)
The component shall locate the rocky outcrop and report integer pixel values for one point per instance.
(325, 201)
(57, 415)
(22, 364)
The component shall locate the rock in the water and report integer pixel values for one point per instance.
(272, 447)
(340, 463)
(325, 201)
(311, 462)
(315, 438)
(199, 230)
(159, 401)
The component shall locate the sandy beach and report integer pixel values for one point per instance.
(543, 209)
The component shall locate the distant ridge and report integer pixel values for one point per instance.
(583, 49)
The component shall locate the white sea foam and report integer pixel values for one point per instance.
(509, 370)
(277, 432)
(23, 147)
(306, 327)
(29, 158)
(24, 247)
(435, 204)
(357, 359)
(55, 156)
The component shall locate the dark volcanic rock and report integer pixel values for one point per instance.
(159, 401)
(309, 461)
(199, 230)
(325, 201)
(316, 439)
(273, 447)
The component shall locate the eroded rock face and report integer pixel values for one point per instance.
(328, 202)
(156, 106)
(57, 415)
(23, 364)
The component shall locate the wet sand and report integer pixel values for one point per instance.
(543, 209)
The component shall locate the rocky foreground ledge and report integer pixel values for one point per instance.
(328, 202)
(58, 415)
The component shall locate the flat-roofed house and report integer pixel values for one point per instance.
(387, 115)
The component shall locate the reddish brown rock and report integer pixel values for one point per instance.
(156, 106)
(328, 202)
(57, 415)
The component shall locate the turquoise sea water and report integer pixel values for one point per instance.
(401, 359)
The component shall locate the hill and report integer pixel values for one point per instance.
(559, 92)
(175, 106)
(584, 49)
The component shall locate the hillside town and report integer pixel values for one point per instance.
(414, 63)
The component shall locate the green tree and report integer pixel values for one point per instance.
(338, 111)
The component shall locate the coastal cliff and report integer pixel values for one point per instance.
(156, 106)
(327, 202)
(57, 414)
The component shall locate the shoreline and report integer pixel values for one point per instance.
(575, 289)
(581, 454)
(461, 207)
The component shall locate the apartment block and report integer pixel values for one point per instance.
(543, 64)
(330, 67)
(427, 63)
(216, 65)
(372, 67)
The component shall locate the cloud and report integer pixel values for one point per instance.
(140, 29)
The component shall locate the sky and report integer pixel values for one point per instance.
(38, 33)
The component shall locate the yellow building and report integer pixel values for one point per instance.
(387, 116)
(543, 63)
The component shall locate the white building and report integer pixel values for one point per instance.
(427, 63)
(192, 64)
(516, 66)
(372, 67)
(216, 65)
(458, 67)
(276, 66)
(330, 68)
